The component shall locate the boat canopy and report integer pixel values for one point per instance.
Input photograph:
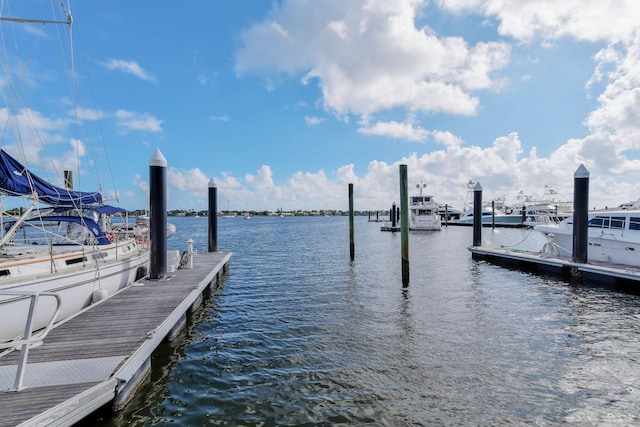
(16, 180)
(101, 209)
(91, 225)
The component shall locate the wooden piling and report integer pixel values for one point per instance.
(580, 214)
(352, 245)
(404, 224)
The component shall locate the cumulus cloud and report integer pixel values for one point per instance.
(191, 181)
(369, 57)
(611, 147)
(394, 129)
(313, 120)
(504, 169)
(134, 121)
(588, 20)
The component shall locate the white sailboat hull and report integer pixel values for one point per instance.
(106, 270)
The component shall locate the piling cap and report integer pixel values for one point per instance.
(158, 159)
(581, 172)
(477, 187)
(212, 183)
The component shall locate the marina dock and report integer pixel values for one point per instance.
(595, 270)
(101, 356)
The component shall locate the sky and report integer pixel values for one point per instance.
(285, 103)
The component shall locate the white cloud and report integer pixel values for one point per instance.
(130, 67)
(222, 118)
(589, 20)
(397, 130)
(369, 57)
(446, 138)
(192, 181)
(133, 121)
(262, 180)
(503, 169)
(313, 120)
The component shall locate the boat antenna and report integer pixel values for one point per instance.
(421, 186)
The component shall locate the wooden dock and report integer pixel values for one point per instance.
(602, 272)
(100, 356)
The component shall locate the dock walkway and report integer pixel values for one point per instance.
(101, 355)
(596, 270)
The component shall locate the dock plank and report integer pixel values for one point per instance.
(132, 321)
(18, 407)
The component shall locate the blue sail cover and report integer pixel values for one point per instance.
(16, 180)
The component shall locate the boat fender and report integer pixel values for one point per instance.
(99, 295)
(183, 260)
(141, 272)
(550, 250)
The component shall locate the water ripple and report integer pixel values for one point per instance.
(299, 335)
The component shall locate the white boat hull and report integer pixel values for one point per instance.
(615, 245)
(432, 225)
(423, 213)
(74, 283)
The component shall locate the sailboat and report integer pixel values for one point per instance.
(59, 251)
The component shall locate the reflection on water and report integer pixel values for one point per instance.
(299, 335)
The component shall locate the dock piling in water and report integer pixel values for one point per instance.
(477, 214)
(393, 214)
(213, 216)
(158, 215)
(404, 225)
(352, 245)
(493, 214)
(580, 214)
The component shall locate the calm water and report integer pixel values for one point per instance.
(299, 335)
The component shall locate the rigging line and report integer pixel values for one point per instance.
(101, 135)
(99, 124)
(525, 238)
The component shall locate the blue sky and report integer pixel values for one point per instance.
(284, 103)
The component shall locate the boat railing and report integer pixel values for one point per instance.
(29, 339)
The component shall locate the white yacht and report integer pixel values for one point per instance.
(495, 211)
(613, 236)
(423, 212)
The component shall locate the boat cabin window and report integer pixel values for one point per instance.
(615, 222)
(634, 223)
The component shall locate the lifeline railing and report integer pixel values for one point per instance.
(29, 339)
